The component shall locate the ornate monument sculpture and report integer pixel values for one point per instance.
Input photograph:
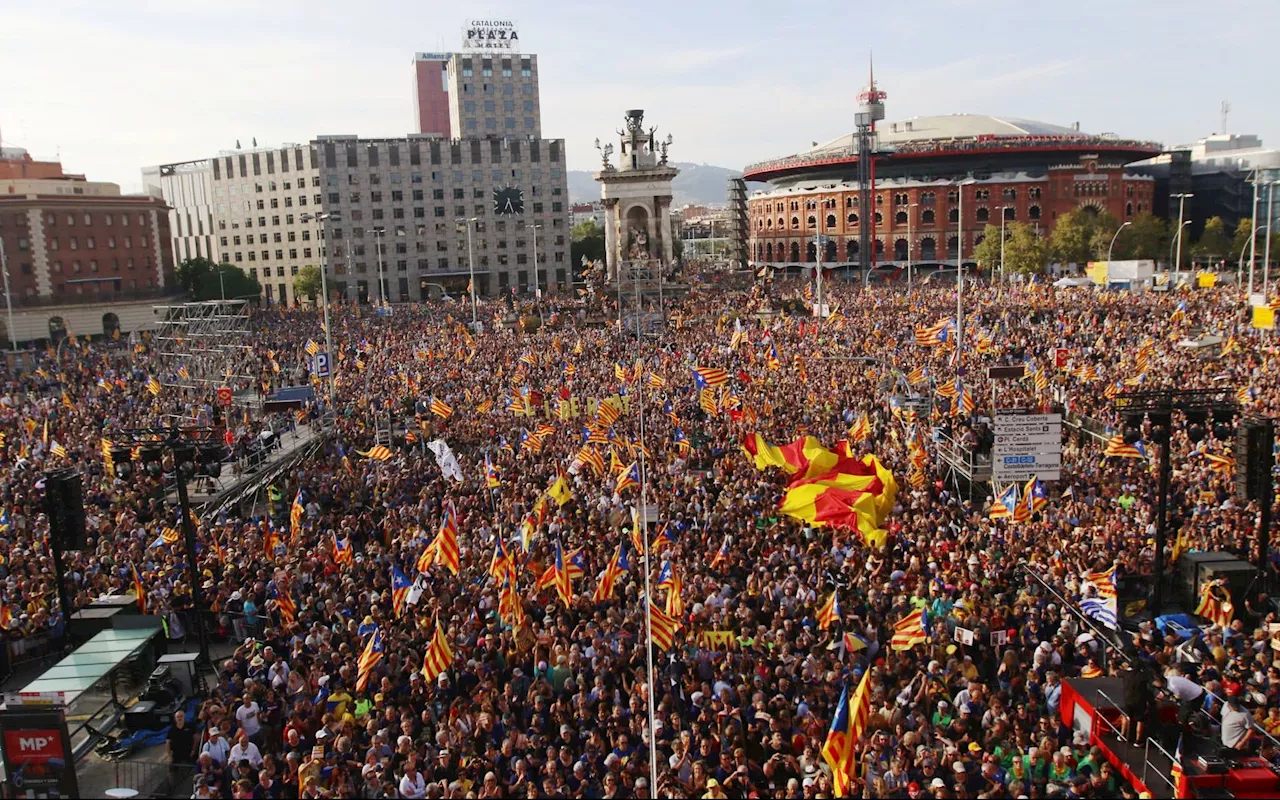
(637, 196)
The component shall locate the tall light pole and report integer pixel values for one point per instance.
(1266, 244)
(911, 242)
(8, 301)
(1115, 236)
(471, 267)
(1253, 236)
(960, 276)
(319, 219)
(378, 233)
(1176, 241)
(1002, 218)
(537, 287)
(1177, 263)
(817, 256)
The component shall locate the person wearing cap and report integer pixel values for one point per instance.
(1239, 736)
(714, 792)
(216, 747)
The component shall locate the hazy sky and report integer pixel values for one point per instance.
(115, 86)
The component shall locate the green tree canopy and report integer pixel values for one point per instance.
(1146, 237)
(205, 280)
(1212, 244)
(308, 282)
(1024, 251)
(586, 240)
(1069, 241)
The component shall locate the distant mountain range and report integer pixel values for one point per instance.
(697, 184)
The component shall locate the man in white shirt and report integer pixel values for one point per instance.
(1188, 693)
(245, 750)
(1237, 727)
(413, 785)
(216, 747)
(247, 716)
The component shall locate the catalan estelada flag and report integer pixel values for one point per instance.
(1221, 464)
(154, 387)
(286, 606)
(608, 411)
(491, 479)
(663, 627)
(400, 586)
(722, 555)
(911, 630)
(830, 612)
(860, 431)
(1002, 506)
(1035, 495)
(564, 587)
(445, 546)
(666, 536)
(1105, 581)
(439, 655)
(709, 377)
(369, 659)
(933, 335)
(617, 565)
(771, 359)
(1117, 447)
(630, 477)
(297, 512)
(845, 731)
(342, 553)
(1176, 776)
(1215, 604)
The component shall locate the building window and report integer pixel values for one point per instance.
(831, 220)
(1010, 213)
(1034, 211)
(983, 214)
(795, 223)
(927, 217)
(852, 219)
(900, 218)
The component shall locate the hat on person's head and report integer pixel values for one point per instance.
(974, 747)
(367, 769)
(808, 782)
(322, 733)
(712, 782)
(213, 731)
(957, 766)
(236, 595)
(937, 783)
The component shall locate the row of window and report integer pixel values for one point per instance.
(95, 288)
(927, 217)
(419, 212)
(491, 124)
(491, 106)
(397, 196)
(90, 243)
(487, 88)
(501, 149)
(926, 250)
(51, 219)
(395, 178)
(262, 238)
(902, 199)
(77, 267)
(402, 265)
(271, 186)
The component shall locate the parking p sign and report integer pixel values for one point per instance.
(322, 365)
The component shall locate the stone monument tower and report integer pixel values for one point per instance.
(637, 198)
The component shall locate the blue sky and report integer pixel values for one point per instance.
(115, 86)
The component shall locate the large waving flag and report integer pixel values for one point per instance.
(440, 408)
(559, 490)
(1102, 610)
(933, 335)
(564, 587)
(722, 555)
(491, 479)
(709, 377)
(444, 549)
(666, 536)
(842, 738)
(369, 659)
(1105, 581)
(911, 630)
(439, 655)
(139, 591)
(1035, 495)
(1117, 447)
(861, 429)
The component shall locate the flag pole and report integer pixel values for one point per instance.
(648, 597)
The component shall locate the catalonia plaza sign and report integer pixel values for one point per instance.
(491, 34)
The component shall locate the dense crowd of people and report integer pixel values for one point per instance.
(551, 699)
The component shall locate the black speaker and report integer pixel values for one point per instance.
(1254, 458)
(64, 502)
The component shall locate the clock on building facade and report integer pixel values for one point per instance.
(508, 201)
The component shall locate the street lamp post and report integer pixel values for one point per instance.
(378, 233)
(960, 277)
(1253, 237)
(1115, 236)
(1177, 264)
(8, 301)
(1177, 238)
(319, 219)
(817, 256)
(1266, 244)
(911, 242)
(537, 286)
(471, 267)
(1002, 218)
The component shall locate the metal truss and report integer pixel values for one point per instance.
(203, 345)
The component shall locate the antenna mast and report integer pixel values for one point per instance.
(1225, 108)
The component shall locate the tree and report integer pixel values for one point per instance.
(987, 253)
(1024, 251)
(308, 282)
(1240, 240)
(1146, 237)
(586, 239)
(1212, 244)
(1069, 241)
(204, 280)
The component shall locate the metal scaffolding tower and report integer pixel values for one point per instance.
(641, 298)
(203, 345)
